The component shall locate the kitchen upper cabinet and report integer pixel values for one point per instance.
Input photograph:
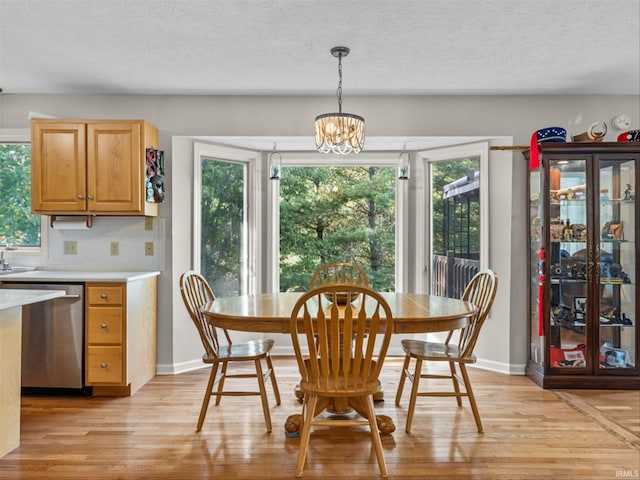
(90, 167)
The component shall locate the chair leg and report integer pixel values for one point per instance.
(375, 435)
(456, 385)
(472, 399)
(221, 382)
(403, 376)
(414, 394)
(207, 396)
(274, 383)
(308, 409)
(263, 394)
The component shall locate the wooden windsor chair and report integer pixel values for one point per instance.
(481, 292)
(346, 331)
(338, 273)
(196, 293)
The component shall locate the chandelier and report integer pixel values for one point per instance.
(341, 133)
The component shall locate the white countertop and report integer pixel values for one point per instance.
(75, 276)
(17, 298)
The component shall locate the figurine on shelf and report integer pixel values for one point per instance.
(613, 230)
(567, 232)
(629, 194)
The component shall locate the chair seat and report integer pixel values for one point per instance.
(340, 389)
(242, 351)
(434, 351)
(340, 386)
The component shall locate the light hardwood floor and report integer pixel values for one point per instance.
(530, 433)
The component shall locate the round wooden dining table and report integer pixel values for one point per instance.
(271, 313)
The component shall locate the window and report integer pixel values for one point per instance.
(456, 233)
(224, 227)
(337, 214)
(222, 214)
(19, 228)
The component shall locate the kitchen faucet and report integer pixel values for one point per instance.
(4, 264)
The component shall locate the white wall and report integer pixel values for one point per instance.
(503, 343)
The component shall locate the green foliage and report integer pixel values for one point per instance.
(327, 214)
(334, 214)
(18, 226)
(442, 174)
(222, 210)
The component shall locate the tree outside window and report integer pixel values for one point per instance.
(18, 226)
(222, 222)
(337, 214)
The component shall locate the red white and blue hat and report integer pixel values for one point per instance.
(552, 134)
(549, 134)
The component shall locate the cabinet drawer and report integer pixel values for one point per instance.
(104, 325)
(104, 365)
(104, 295)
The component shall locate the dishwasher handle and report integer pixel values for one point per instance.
(71, 296)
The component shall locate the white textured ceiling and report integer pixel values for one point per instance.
(281, 47)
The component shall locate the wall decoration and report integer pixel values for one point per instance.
(154, 181)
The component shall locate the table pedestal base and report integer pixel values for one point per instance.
(339, 406)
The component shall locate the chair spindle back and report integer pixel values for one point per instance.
(480, 291)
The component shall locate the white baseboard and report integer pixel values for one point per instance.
(287, 351)
(499, 367)
(183, 367)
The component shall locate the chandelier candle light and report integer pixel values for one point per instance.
(341, 133)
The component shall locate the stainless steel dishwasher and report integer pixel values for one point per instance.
(53, 340)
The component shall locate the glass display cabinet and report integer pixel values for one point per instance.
(583, 266)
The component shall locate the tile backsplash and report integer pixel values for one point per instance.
(112, 243)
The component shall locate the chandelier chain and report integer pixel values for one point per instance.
(339, 91)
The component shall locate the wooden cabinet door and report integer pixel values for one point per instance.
(58, 166)
(115, 159)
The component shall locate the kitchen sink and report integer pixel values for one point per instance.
(16, 270)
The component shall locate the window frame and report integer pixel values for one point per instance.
(314, 159)
(22, 136)
(424, 161)
(251, 232)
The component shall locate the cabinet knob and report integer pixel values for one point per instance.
(104, 325)
(89, 197)
(80, 197)
(103, 365)
(103, 295)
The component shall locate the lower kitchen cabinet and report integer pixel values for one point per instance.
(120, 336)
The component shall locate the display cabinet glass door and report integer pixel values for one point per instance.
(536, 269)
(570, 259)
(617, 264)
